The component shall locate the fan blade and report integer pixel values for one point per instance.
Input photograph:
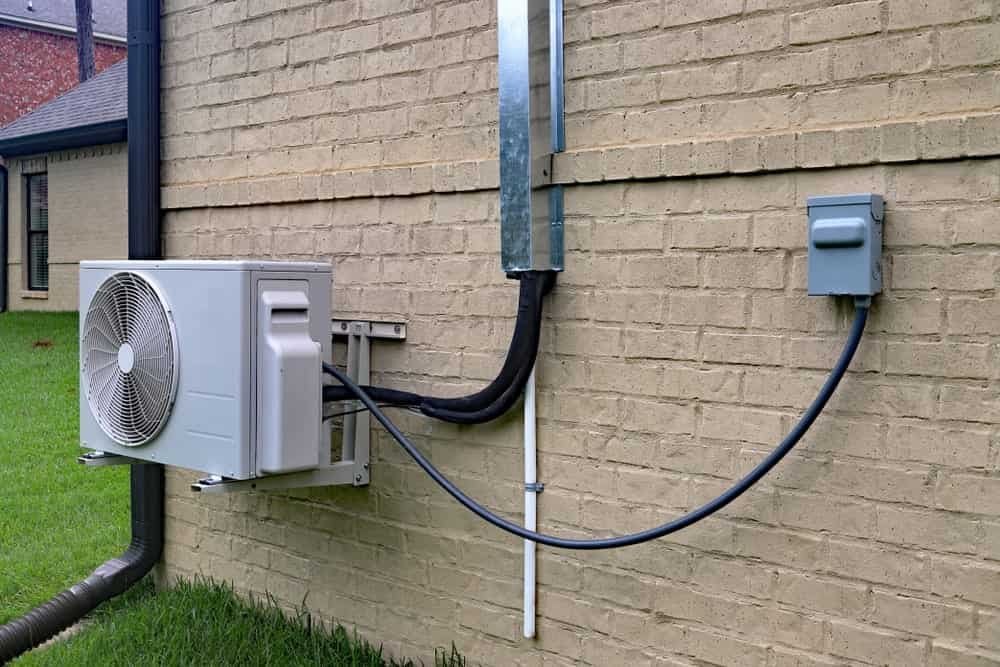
(130, 407)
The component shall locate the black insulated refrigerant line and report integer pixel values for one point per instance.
(502, 393)
(706, 510)
(118, 574)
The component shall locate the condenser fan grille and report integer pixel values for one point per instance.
(129, 359)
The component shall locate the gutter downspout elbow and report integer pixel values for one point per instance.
(110, 579)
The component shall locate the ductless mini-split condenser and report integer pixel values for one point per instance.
(209, 365)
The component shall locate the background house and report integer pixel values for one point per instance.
(38, 49)
(67, 191)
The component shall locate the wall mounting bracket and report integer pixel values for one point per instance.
(355, 456)
(334, 474)
(356, 444)
(97, 459)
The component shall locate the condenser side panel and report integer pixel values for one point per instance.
(208, 430)
(91, 434)
(318, 285)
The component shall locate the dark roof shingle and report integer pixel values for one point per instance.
(109, 15)
(101, 99)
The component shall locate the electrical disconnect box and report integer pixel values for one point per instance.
(845, 244)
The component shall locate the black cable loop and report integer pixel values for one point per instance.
(706, 510)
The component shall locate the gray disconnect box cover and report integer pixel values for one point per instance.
(845, 244)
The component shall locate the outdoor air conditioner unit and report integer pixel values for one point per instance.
(208, 365)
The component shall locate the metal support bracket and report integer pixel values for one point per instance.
(97, 459)
(355, 460)
(356, 445)
(536, 487)
(342, 472)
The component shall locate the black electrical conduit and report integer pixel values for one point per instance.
(146, 482)
(706, 510)
(500, 395)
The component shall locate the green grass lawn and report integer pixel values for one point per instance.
(58, 520)
(205, 624)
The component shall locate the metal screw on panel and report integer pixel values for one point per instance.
(397, 328)
(357, 478)
(366, 466)
(343, 326)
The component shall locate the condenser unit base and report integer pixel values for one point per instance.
(97, 459)
(336, 474)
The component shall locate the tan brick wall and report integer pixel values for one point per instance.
(319, 100)
(88, 219)
(679, 344)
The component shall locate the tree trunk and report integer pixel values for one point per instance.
(85, 39)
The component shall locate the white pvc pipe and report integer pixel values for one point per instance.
(530, 504)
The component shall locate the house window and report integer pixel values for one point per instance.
(38, 231)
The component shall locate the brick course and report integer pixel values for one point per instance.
(679, 344)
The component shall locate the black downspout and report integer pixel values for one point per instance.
(4, 196)
(147, 484)
(144, 129)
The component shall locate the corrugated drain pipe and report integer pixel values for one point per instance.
(119, 574)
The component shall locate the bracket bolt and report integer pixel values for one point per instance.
(357, 478)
